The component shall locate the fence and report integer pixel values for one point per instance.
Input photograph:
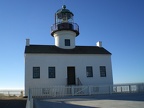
(57, 91)
(128, 88)
(12, 93)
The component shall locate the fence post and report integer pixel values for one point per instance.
(89, 89)
(31, 103)
(130, 89)
(21, 93)
(29, 95)
(8, 93)
(72, 90)
(30, 98)
(142, 87)
(138, 88)
(110, 89)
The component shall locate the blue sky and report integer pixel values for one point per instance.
(119, 24)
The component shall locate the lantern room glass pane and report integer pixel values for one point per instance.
(64, 17)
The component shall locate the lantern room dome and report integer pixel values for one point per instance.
(64, 10)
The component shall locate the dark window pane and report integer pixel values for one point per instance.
(67, 42)
(51, 72)
(36, 72)
(102, 71)
(89, 71)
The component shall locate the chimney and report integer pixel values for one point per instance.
(99, 44)
(27, 42)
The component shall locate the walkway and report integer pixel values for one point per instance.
(97, 101)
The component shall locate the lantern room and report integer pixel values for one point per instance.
(64, 15)
(64, 21)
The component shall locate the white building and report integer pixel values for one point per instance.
(65, 64)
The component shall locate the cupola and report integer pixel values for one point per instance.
(64, 30)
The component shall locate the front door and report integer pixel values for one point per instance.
(71, 76)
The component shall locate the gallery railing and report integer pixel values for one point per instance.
(65, 26)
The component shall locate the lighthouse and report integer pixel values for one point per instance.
(66, 64)
(64, 30)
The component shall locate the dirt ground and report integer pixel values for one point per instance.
(12, 102)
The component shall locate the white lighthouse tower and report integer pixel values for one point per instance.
(64, 30)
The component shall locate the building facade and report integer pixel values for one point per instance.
(65, 64)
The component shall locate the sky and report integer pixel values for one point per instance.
(119, 24)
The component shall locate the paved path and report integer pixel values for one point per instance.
(97, 101)
(12, 103)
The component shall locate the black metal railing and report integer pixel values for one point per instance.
(65, 26)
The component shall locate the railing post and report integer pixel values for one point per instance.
(116, 89)
(72, 90)
(30, 98)
(121, 89)
(129, 88)
(21, 93)
(89, 89)
(138, 88)
(29, 95)
(8, 93)
(142, 87)
(110, 89)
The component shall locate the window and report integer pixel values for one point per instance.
(102, 71)
(36, 72)
(67, 42)
(89, 71)
(51, 72)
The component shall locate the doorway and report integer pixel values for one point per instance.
(71, 76)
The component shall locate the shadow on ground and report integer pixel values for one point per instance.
(87, 101)
(60, 104)
(12, 103)
(125, 97)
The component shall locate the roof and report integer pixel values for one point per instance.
(52, 49)
(64, 10)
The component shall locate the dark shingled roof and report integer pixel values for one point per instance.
(51, 49)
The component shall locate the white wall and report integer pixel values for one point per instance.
(60, 37)
(61, 62)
